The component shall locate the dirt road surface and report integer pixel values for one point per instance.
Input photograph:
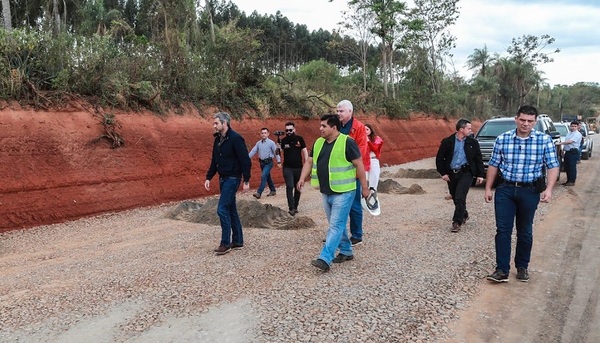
(138, 276)
(560, 303)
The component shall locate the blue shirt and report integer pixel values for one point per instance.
(266, 149)
(576, 137)
(521, 159)
(458, 158)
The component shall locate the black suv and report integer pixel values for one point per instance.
(494, 127)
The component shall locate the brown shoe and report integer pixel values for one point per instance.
(222, 250)
(569, 184)
(455, 227)
(256, 195)
(272, 194)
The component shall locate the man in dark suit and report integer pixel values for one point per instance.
(458, 161)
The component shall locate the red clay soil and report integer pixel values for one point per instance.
(53, 168)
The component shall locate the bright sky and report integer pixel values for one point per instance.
(573, 23)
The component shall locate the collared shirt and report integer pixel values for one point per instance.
(576, 137)
(266, 149)
(521, 159)
(458, 158)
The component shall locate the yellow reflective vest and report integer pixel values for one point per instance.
(342, 173)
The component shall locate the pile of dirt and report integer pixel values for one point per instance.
(252, 214)
(417, 174)
(394, 187)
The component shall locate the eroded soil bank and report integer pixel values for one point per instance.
(53, 166)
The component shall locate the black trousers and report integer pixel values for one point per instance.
(291, 176)
(459, 188)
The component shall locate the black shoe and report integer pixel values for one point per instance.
(342, 258)
(455, 227)
(272, 194)
(355, 241)
(222, 250)
(498, 276)
(522, 274)
(256, 195)
(465, 218)
(292, 212)
(236, 246)
(320, 264)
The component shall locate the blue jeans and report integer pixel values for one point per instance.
(227, 211)
(514, 205)
(570, 159)
(356, 214)
(265, 178)
(337, 208)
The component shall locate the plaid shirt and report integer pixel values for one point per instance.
(521, 159)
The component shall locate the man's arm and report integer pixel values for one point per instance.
(492, 172)
(361, 174)
(306, 168)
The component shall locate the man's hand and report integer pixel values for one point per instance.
(365, 192)
(488, 197)
(479, 181)
(446, 177)
(299, 185)
(207, 185)
(279, 165)
(546, 196)
(246, 186)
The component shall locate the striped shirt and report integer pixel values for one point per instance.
(521, 159)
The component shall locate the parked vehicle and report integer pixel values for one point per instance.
(563, 129)
(588, 143)
(492, 128)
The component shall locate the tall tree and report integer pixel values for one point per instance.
(436, 17)
(6, 16)
(527, 52)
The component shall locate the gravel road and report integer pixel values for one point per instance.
(138, 276)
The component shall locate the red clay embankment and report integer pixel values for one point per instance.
(51, 170)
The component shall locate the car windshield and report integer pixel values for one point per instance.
(493, 129)
(562, 129)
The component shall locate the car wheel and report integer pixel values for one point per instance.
(585, 155)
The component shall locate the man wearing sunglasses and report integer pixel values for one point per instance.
(294, 155)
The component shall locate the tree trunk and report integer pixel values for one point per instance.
(6, 15)
(56, 18)
(210, 19)
(384, 65)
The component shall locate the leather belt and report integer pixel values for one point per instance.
(517, 183)
(463, 168)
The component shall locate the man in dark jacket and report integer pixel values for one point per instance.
(458, 160)
(229, 159)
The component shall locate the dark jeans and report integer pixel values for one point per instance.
(570, 159)
(514, 205)
(356, 214)
(459, 186)
(227, 211)
(265, 177)
(291, 177)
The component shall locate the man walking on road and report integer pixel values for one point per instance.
(571, 147)
(518, 160)
(294, 155)
(267, 151)
(229, 159)
(356, 130)
(458, 160)
(334, 164)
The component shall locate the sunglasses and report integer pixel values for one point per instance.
(289, 130)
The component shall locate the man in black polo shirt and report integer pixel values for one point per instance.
(294, 155)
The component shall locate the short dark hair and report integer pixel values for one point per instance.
(264, 128)
(332, 120)
(289, 123)
(574, 122)
(461, 123)
(528, 110)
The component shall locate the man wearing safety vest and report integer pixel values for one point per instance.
(334, 164)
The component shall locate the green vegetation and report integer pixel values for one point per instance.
(386, 58)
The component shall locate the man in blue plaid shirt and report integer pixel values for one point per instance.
(518, 160)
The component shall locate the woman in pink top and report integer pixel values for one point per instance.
(375, 142)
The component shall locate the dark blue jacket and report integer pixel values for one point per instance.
(230, 158)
